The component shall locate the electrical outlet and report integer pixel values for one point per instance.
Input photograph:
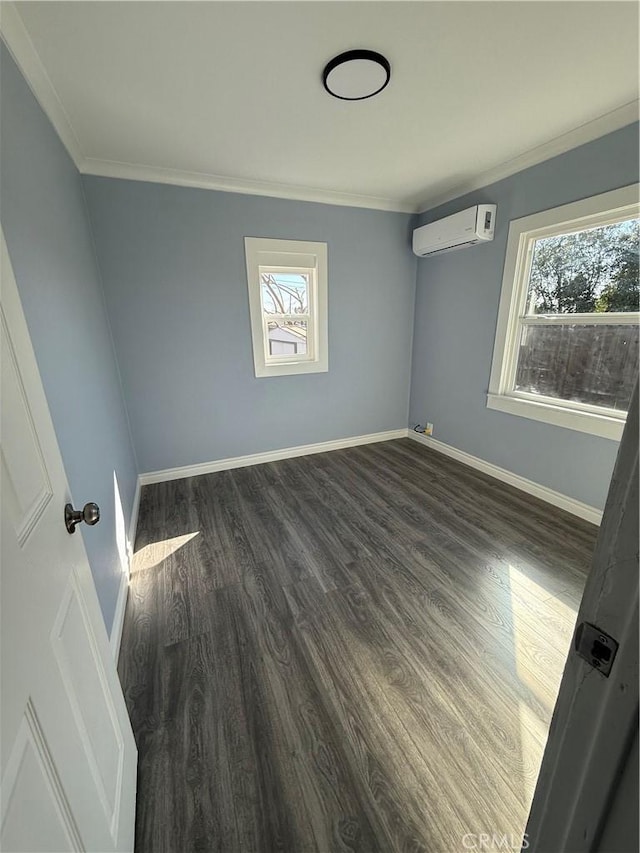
(428, 430)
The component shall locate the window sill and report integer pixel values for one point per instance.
(600, 425)
(291, 368)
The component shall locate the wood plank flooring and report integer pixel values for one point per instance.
(352, 651)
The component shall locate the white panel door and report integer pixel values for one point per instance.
(68, 756)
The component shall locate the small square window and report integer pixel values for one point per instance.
(287, 281)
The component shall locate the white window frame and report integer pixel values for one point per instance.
(290, 256)
(605, 209)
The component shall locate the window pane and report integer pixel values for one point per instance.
(284, 293)
(586, 272)
(287, 337)
(595, 364)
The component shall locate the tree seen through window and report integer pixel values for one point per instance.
(587, 272)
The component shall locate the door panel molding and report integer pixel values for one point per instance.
(31, 737)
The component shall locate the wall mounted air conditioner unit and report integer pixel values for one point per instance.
(474, 225)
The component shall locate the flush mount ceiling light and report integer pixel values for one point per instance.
(356, 75)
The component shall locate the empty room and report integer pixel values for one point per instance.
(320, 327)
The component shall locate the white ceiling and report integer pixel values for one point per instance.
(229, 94)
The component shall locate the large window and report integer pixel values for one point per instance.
(566, 347)
(287, 282)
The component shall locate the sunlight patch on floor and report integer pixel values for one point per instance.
(563, 608)
(533, 738)
(544, 685)
(152, 555)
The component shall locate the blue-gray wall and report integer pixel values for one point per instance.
(456, 312)
(173, 266)
(50, 245)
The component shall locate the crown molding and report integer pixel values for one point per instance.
(22, 49)
(587, 132)
(202, 180)
(18, 42)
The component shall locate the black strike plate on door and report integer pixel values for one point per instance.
(596, 647)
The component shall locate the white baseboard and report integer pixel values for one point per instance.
(575, 507)
(269, 456)
(118, 617)
(133, 521)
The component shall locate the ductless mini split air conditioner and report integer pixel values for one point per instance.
(471, 226)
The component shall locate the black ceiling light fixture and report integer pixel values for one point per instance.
(356, 75)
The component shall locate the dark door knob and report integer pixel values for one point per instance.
(90, 514)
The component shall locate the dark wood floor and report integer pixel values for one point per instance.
(358, 650)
